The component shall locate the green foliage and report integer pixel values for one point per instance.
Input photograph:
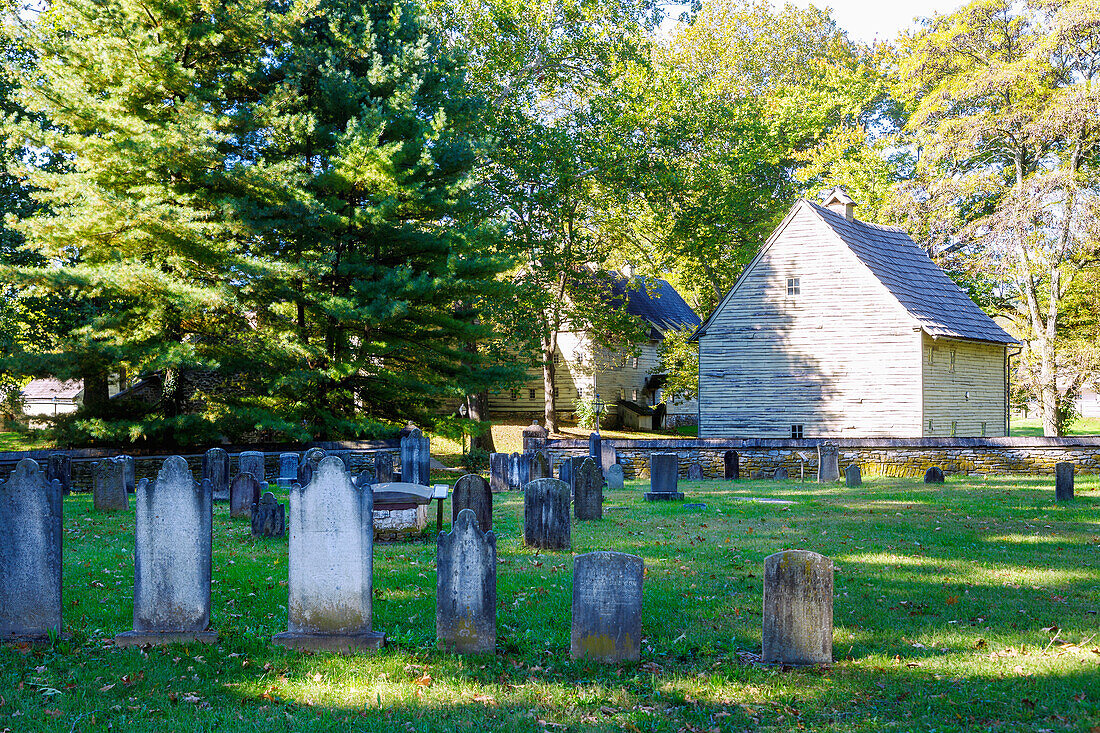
(678, 357)
(585, 410)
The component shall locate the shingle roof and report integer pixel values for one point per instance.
(48, 388)
(931, 297)
(655, 301)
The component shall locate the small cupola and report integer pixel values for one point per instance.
(838, 200)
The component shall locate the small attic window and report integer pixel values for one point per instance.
(796, 432)
(794, 286)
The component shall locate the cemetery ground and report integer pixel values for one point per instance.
(965, 606)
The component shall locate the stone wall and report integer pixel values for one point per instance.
(876, 456)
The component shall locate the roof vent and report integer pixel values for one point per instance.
(837, 200)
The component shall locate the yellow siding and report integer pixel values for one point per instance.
(964, 383)
(842, 357)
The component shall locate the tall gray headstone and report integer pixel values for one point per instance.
(383, 468)
(731, 465)
(664, 471)
(546, 522)
(215, 466)
(1063, 481)
(828, 462)
(30, 555)
(288, 469)
(173, 527)
(331, 564)
(243, 493)
(515, 473)
(109, 486)
(129, 473)
(310, 460)
(933, 475)
(588, 491)
(59, 467)
(607, 607)
(472, 492)
(540, 465)
(798, 609)
(695, 472)
(853, 476)
(268, 517)
(616, 479)
(251, 462)
(466, 586)
(498, 471)
(415, 456)
(595, 449)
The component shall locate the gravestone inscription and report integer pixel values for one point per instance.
(588, 491)
(798, 609)
(498, 471)
(607, 607)
(109, 486)
(383, 468)
(546, 521)
(540, 465)
(244, 491)
(615, 478)
(466, 586)
(663, 477)
(288, 469)
(472, 492)
(251, 462)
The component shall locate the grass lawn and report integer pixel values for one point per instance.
(16, 441)
(962, 607)
(1034, 426)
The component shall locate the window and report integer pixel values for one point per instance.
(931, 354)
(983, 429)
(515, 394)
(954, 428)
(634, 395)
(555, 392)
(635, 362)
(530, 394)
(794, 286)
(557, 359)
(622, 393)
(952, 367)
(796, 432)
(930, 429)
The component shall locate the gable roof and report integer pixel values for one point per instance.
(654, 301)
(48, 388)
(932, 298)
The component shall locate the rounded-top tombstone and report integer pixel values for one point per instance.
(251, 462)
(472, 492)
(466, 586)
(798, 609)
(30, 554)
(731, 465)
(244, 491)
(615, 478)
(546, 521)
(695, 472)
(853, 476)
(933, 475)
(588, 491)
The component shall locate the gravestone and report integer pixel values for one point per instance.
(798, 609)
(780, 474)
(215, 466)
(515, 473)
(608, 457)
(540, 465)
(663, 477)
(757, 475)
(243, 493)
(472, 492)
(853, 476)
(310, 460)
(109, 486)
(534, 437)
(343, 455)
(129, 473)
(59, 467)
(595, 451)
(607, 607)
(1063, 481)
(695, 472)
(173, 522)
(498, 471)
(615, 478)
(30, 554)
(331, 564)
(383, 468)
(588, 491)
(828, 462)
(268, 517)
(415, 455)
(546, 522)
(466, 586)
(731, 465)
(251, 462)
(288, 469)
(934, 475)
(567, 469)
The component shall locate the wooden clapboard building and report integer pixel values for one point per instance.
(839, 327)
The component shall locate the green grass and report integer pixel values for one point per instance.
(963, 607)
(19, 441)
(1034, 426)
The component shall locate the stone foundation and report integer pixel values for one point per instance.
(393, 525)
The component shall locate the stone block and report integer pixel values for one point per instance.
(546, 521)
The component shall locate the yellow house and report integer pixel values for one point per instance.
(840, 327)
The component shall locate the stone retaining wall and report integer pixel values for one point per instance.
(876, 456)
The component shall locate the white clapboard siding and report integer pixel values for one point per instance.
(573, 376)
(964, 384)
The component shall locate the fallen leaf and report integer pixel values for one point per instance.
(105, 688)
(317, 677)
(424, 681)
(952, 600)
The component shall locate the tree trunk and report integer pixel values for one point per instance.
(549, 379)
(477, 406)
(97, 393)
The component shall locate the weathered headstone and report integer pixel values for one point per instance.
(607, 607)
(288, 469)
(243, 493)
(415, 456)
(798, 609)
(615, 478)
(757, 475)
(515, 471)
(663, 477)
(215, 466)
(383, 468)
(828, 462)
(331, 564)
(588, 491)
(934, 475)
(498, 471)
(595, 451)
(59, 467)
(251, 462)
(731, 465)
(540, 465)
(608, 456)
(268, 517)
(109, 486)
(343, 455)
(780, 474)
(472, 492)
(173, 524)
(695, 472)
(30, 554)
(310, 460)
(1063, 481)
(546, 522)
(853, 476)
(129, 473)
(466, 586)
(534, 437)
